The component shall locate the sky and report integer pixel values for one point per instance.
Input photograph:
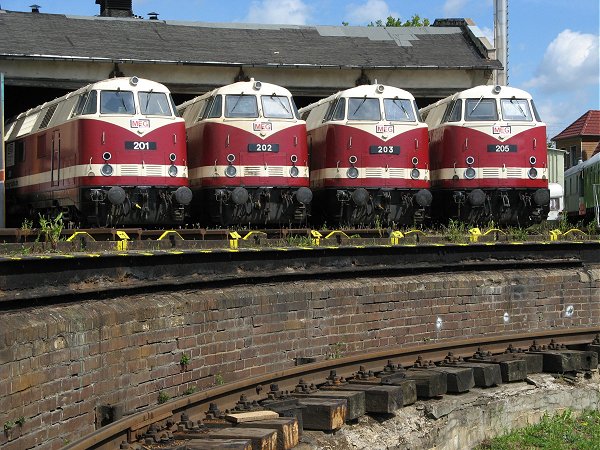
(553, 45)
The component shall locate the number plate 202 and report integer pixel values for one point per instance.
(267, 148)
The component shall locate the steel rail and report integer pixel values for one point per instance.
(195, 405)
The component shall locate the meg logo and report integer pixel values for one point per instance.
(500, 129)
(262, 126)
(139, 123)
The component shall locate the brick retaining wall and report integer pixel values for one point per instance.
(59, 364)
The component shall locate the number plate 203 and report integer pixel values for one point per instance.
(384, 149)
(267, 148)
(140, 145)
(502, 148)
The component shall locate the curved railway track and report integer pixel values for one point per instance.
(195, 406)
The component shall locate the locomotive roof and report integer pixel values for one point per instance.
(245, 87)
(108, 39)
(365, 90)
(122, 83)
(486, 91)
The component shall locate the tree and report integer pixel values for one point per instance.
(414, 21)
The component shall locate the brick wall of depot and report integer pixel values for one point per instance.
(58, 364)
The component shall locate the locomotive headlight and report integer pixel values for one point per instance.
(470, 160)
(352, 172)
(532, 160)
(107, 170)
(172, 157)
(294, 172)
(415, 174)
(470, 173)
(415, 160)
(352, 159)
(294, 159)
(173, 171)
(230, 171)
(106, 156)
(532, 173)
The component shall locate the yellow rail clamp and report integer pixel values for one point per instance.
(337, 233)
(122, 244)
(474, 234)
(554, 235)
(257, 235)
(171, 234)
(316, 237)
(573, 231)
(233, 241)
(395, 237)
(81, 234)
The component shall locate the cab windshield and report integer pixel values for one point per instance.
(480, 109)
(277, 107)
(241, 106)
(514, 109)
(398, 109)
(154, 103)
(117, 102)
(364, 109)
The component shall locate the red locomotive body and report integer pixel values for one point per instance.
(109, 154)
(488, 157)
(369, 157)
(248, 160)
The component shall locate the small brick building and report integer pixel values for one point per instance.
(581, 139)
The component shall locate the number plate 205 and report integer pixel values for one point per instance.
(267, 148)
(502, 148)
(384, 149)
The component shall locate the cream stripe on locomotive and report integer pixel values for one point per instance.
(248, 171)
(94, 170)
(502, 173)
(369, 172)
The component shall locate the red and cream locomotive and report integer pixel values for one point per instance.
(111, 153)
(488, 157)
(248, 160)
(369, 157)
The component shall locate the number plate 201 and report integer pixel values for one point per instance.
(140, 145)
(267, 148)
(384, 149)
(502, 148)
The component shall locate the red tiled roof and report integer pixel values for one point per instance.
(586, 125)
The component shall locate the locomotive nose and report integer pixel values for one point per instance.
(304, 195)
(423, 198)
(183, 195)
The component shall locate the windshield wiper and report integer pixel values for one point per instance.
(148, 100)
(280, 102)
(237, 101)
(476, 104)
(401, 106)
(358, 107)
(512, 100)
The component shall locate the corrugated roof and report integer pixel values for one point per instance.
(58, 36)
(586, 125)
